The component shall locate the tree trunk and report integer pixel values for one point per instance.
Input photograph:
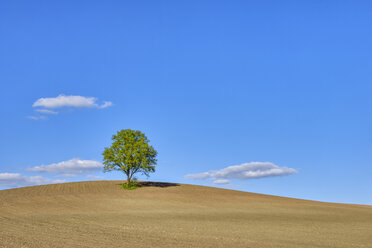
(128, 180)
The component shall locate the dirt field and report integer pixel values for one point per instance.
(102, 214)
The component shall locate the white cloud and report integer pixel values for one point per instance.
(69, 168)
(243, 172)
(93, 177)
(17, 180)
(203, 175)
(70, 101)
(221, 181)
(47, 111)
(40, 117)
(105, 104)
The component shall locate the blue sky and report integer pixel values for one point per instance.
(211, 83)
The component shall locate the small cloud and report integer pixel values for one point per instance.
(244, 171)
(221, 181)
(46, 111)
(17, 180)
(105, 105)
(36, 118)
(70, 101)
(202, 175)
(69, 168)
(94, 177)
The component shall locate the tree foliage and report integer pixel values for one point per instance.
(130, 153)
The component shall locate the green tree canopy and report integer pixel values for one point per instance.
(130, 153)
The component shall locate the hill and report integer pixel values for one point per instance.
(102, 214)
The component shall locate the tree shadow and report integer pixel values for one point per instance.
(156, 184)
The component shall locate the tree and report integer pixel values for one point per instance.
(131, 153)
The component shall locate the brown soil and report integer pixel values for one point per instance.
(102, 214)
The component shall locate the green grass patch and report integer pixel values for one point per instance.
(132, 185)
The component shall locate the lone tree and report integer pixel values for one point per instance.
(131, 153)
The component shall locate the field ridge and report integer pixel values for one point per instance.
(102, 214)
